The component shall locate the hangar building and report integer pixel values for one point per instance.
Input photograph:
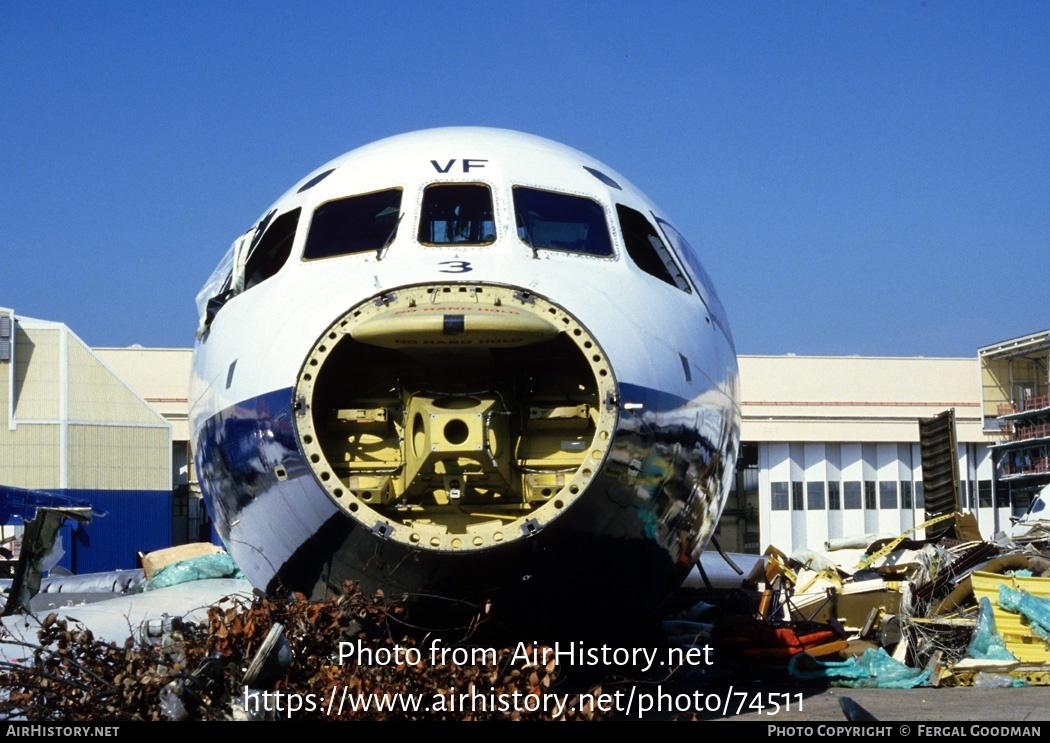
(832, 447)
(72, 428)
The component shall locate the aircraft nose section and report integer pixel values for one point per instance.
(456, 417)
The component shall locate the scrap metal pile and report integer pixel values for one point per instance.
(891, 612)
(270, 659)
(953, 610)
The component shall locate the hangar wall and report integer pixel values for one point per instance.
(71, 427)
(832, 450)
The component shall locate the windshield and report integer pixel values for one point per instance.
(457, 214)
(557, 221)
(218, 282)
(705, 286)
(358, 224)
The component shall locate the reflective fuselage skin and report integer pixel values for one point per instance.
(622, 547)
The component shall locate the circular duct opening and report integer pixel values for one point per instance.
(456, 431)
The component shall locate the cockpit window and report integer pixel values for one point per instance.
(706, 287)
(647, 250)
(271, 252)
(357, 224)
(457, 214)
(558, 221)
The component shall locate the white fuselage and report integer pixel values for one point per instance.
(667, 342)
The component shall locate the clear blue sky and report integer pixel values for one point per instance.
(860, 177)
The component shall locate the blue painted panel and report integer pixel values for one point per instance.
(135, 521)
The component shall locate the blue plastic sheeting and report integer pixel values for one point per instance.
(217, 565)
(986, 643)
(124, 523)
(1036, 610)
(21, 503)
(874, 668)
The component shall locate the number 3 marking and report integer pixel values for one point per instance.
(455, 267)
